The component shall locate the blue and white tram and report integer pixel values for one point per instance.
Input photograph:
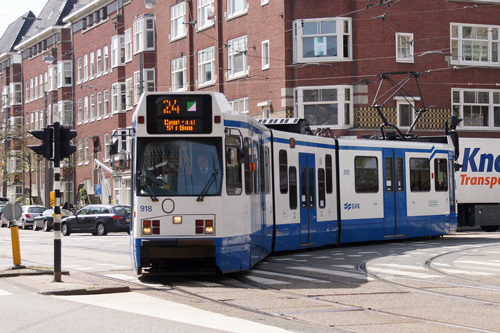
(269, 190)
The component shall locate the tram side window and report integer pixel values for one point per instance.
(441, 171)
(233, 172)
(329, 174)
(247, 146)
(256, 167)
(293, 187)
(366, 174)
(267, 167)
(283, 172)
(420, 175)
(321, 188)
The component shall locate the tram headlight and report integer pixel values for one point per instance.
(209, 226)
(177, 219)
(146, 227)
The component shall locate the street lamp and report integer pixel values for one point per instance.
(150, 3)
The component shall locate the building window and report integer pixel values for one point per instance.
(240, 105)
(179, 74)
(264, 2)
(478, 107)
(105, 104)
(99, 106)
(91, 65)
(85, 68)
(129, 89)
(80, 152)
(92, 107)
(206, 14)
(118, 97)
(325, 105)
(27, 89)
(265, 55)
(106, 147)
(144, 34)
(85, 109)
(177, 21)
(236, 8)
(16, 93)
(474, 44)
(117, 51)
(237, 57)
(148, 83)
(128, 45)
(404, 47)
(65, 71)
(86, 150)
(64, 113)
(105, 60)
(79, 113)
(328, 39)
(40, 86)
(98, 69)
(206, 67)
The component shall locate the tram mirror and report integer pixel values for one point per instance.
(113, 147)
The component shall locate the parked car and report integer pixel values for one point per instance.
(2, 207)
(46, 219)
(28, 214)
(98, 220)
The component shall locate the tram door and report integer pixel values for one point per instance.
(308, 217)
(395, 210)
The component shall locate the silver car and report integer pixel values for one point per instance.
(28, 215)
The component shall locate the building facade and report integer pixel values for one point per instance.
(319, 60)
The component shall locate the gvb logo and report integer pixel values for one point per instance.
(349, 206)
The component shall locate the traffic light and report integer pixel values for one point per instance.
(46, 135)
(66, 149)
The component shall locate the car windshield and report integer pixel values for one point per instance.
(36, 210)
(178, 167)
(122, 210)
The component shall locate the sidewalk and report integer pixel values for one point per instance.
(73, 283)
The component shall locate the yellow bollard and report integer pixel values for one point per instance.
(16, 249)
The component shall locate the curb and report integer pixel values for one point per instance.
(86, 291)
(14, 272)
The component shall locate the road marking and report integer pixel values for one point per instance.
(264, 280)
(477, 263)
(154, 307)
(331, 272)
(294, 277)
(397, 273)
(4, 293)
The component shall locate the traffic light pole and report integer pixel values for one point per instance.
(57, 207)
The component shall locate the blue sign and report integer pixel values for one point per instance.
(98, 189)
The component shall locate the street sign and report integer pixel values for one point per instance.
(12, 211)
(98, 189)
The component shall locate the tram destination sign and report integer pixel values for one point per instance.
(177, 114)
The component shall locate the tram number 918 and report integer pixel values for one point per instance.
(146, 208)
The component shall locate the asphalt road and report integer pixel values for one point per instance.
(450, 284)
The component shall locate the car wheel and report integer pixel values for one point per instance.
(46, 226)
(23, 225)
(65, 230)
(35, 228)
(101, 229)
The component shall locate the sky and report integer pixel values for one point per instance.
(10, 10)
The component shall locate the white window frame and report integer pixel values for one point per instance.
(410, 103)
(117, 51)
(105, 60)
(404, 47)
(264, 2)
(464, 107)
(128, 45)
(98, 55)
(179, 73)
(105, 104)
(91, 65)
(106, 147)
(40, 87)
(15, 91)
(129, 91)
(206, 58)
(236, 48)
(65, 72)
(343, 100)
(483, 51)
(80, 152)
(118, 97)
(85, 68)
(36, 87)
(240, 105)
(144, 34)
(343, 29)
(266, 60)
(79, 112)
(236, 8)
(86, 150)
(204, 7)
(99, 106)
(64, 113)
(148, 84)
(178, 27)
(92, 108)
(85, 109)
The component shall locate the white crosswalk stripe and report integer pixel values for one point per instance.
(4, 293)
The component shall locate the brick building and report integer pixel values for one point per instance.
(317, 60)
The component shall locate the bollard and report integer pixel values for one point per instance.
(16, 249)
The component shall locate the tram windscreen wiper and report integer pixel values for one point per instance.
(207, 186)
(150, 192)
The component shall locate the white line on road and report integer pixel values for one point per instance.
(158, 308)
